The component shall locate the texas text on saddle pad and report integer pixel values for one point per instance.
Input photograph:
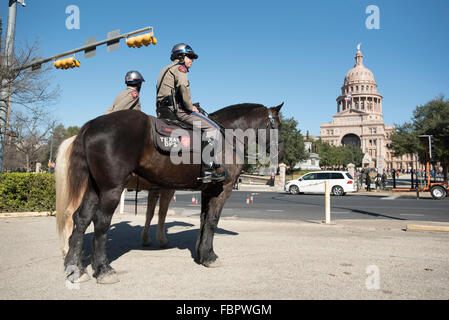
(170, 137)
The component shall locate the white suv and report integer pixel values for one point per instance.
(313, 182)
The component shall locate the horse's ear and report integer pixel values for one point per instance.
(278, 108)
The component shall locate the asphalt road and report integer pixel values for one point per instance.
(285, 253)
(283, 206)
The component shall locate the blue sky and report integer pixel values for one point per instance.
(249, 51)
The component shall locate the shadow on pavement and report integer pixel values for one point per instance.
(123, 237)
(372, 214)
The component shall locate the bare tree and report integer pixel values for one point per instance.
(28, 138)
(29, 101)
(28, 87)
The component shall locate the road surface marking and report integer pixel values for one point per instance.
(275, 210)
(390, 198)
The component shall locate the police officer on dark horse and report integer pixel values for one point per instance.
(173, 99)
(93, 169)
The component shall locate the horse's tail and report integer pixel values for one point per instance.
(63, 222)
(72, 176)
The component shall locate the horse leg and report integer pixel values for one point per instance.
(81, 219)
(153, 196)
(109, 200)
(213, 200)
(164, 203)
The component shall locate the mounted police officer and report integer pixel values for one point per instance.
(173, 100)
(129, 98)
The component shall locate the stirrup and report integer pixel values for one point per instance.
(210, 174)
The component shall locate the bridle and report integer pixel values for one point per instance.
(271, 122)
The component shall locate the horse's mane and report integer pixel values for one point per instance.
(236, 110)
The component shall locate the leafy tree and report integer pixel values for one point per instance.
(293, 142)
(431, 118)
(352, 154)
(338, 155)
(59, 134)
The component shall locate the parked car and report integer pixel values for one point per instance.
(313, 182)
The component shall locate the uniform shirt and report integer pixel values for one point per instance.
(125, 100)
(174, 76)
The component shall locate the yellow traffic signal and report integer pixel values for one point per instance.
(143, 39)
(66, 63)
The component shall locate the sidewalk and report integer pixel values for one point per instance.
(351, 259)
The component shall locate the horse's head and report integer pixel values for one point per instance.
(274, 132)
(258, 119)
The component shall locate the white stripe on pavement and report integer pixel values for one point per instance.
(390, 198)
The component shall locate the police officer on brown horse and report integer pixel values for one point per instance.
(173, 100)
(129, 98)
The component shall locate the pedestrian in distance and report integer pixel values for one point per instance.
(384, 181)
(377, 181)
(368, 182)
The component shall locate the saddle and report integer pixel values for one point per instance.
(173, 135)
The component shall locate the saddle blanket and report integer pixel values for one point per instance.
(174, 136)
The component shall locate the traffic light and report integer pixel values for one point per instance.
(143, 39)
(66, 63)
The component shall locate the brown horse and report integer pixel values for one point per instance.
(93, 171)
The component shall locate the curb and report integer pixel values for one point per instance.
(26, 214)
(415, 227)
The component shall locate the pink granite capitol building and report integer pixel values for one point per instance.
(359, 120)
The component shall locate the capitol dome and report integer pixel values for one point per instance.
(359, 90)
(359, 74)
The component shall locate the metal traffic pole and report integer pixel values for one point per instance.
(327, 201)
(7, 63)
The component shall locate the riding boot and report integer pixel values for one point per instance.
(212, 170)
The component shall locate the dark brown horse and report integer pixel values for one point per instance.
(93, 171)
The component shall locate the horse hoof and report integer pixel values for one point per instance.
(108, 278)
(163, 244)
(83, 278)
(146, 244)
(213, 264)
(74, 275)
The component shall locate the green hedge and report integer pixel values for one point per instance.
(21, 192)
